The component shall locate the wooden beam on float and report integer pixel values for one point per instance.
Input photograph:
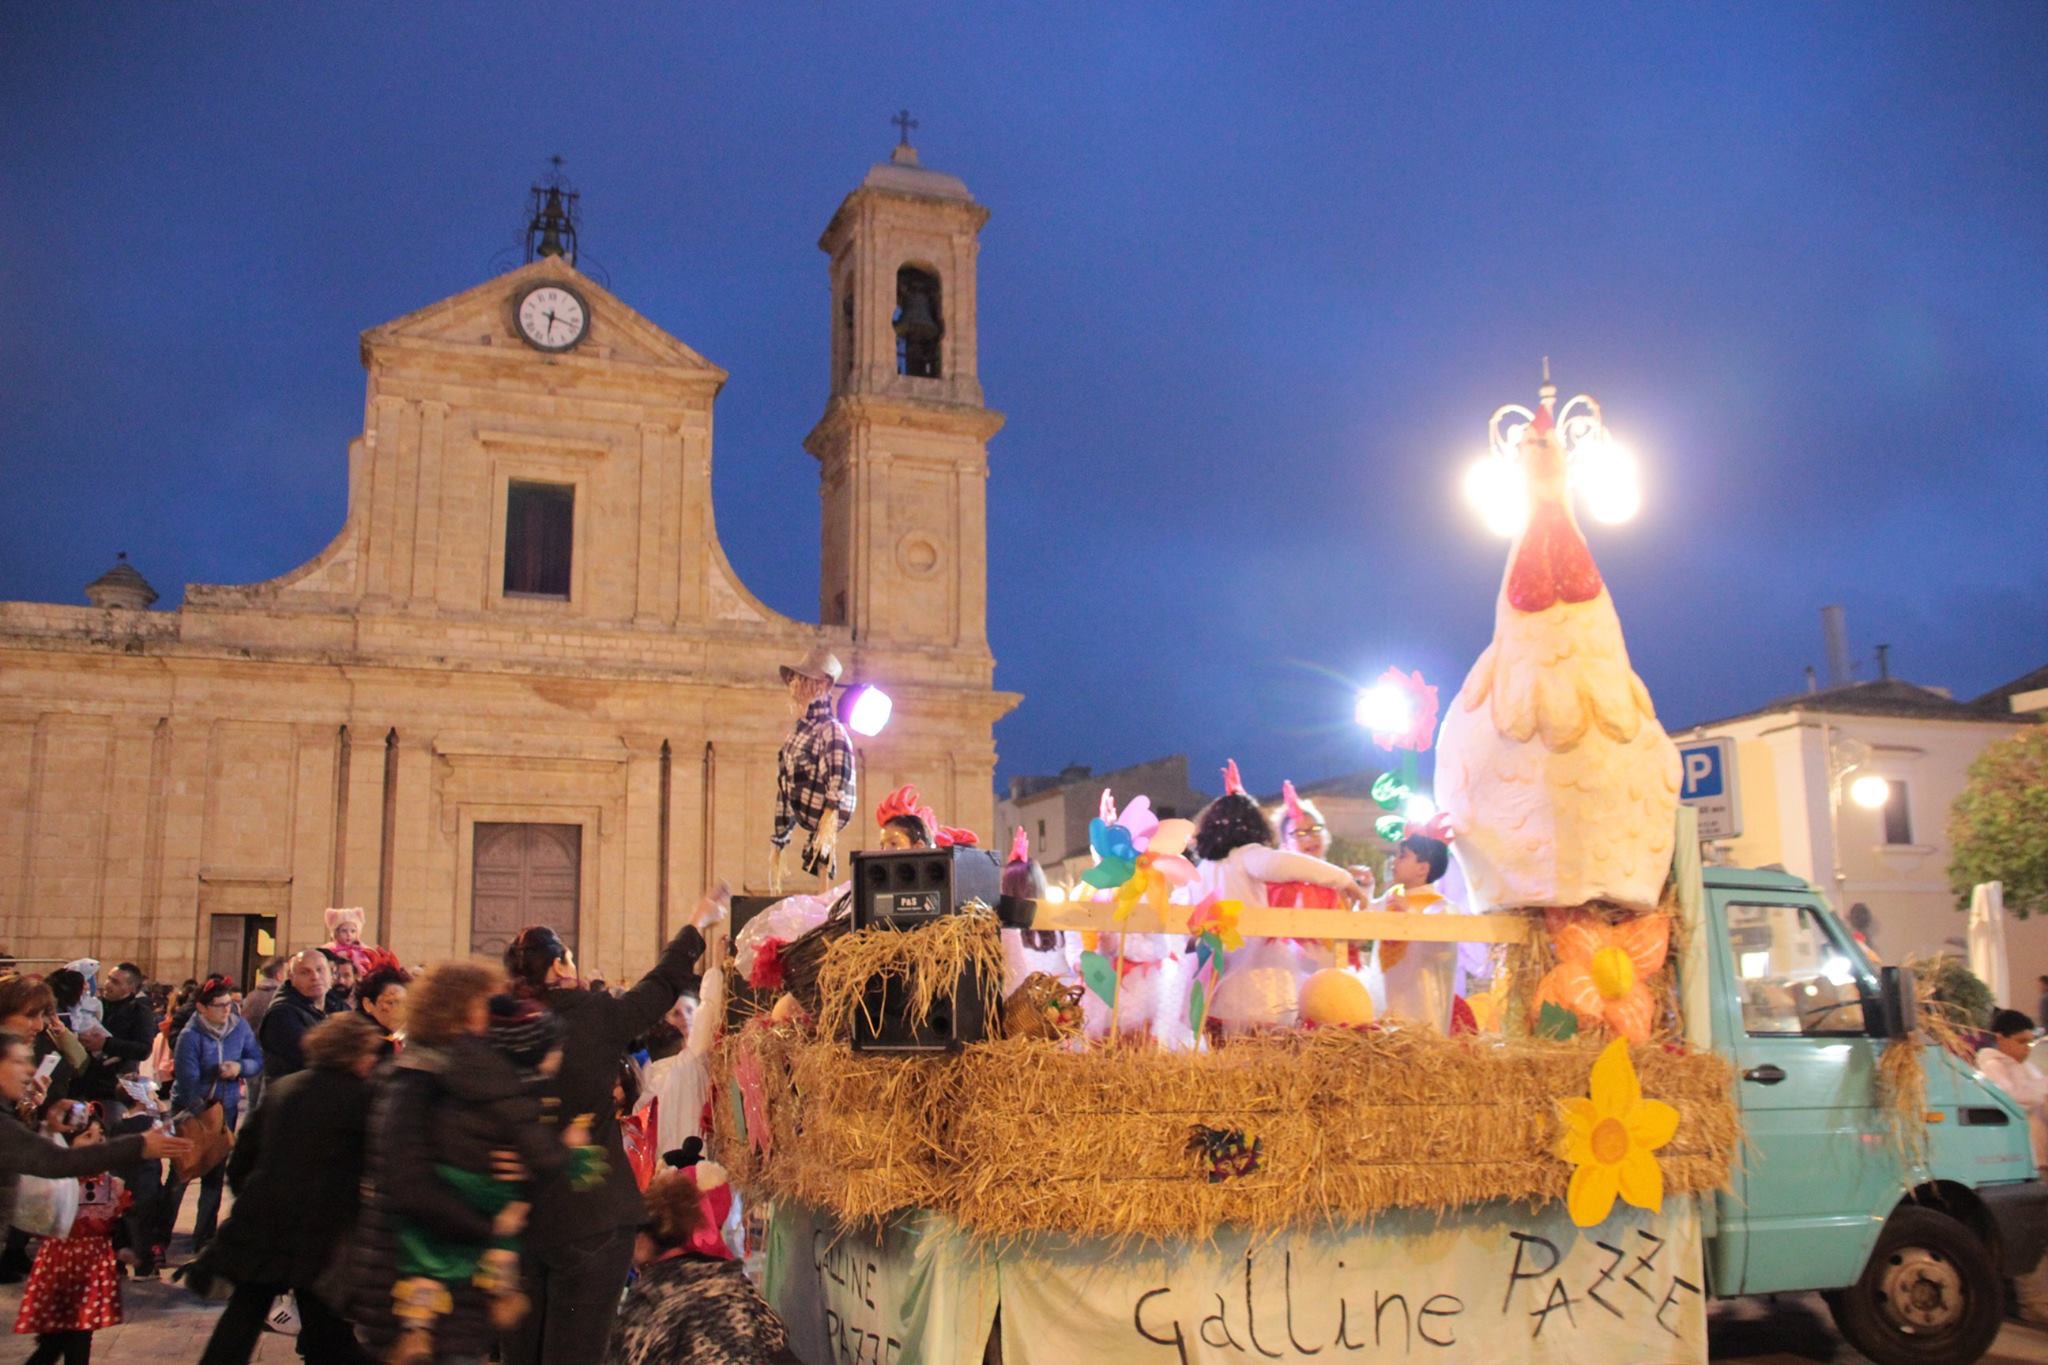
(1260, 922)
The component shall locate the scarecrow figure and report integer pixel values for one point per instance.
(814, 772)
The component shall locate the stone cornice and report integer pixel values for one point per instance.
(953, 419)
(967, 215)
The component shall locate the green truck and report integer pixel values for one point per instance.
(1910, 1244)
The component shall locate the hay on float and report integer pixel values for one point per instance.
(1030, 1135)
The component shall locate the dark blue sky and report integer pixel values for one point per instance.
(1256, 277)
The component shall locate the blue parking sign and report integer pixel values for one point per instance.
(1707, 783)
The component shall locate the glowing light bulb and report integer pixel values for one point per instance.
(869, 711)
(1604, 473)
(1418, 809)
(1499, 493)
(1055, 895)
(1384, 709)
(1870, 791)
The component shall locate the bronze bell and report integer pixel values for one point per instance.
(916, 320)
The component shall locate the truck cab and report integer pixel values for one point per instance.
(1909, 1240)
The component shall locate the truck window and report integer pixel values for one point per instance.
(1795, 978)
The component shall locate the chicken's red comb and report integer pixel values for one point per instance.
(1108, 810)
(1291, 799)
(948, 837)
(1020, 846)
(1233, 785)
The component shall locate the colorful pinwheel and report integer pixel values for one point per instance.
(1116, 856)
(1214, 925)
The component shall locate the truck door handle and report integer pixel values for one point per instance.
(1764, 1075)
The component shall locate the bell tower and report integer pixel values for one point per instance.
(902, 447)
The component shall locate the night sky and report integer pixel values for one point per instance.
(1255, 279)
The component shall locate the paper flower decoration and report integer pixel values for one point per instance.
(1603, 971)
(1611, 1139)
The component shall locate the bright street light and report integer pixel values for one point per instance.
(1598, 470)
(1384, 709)
(1870, 791)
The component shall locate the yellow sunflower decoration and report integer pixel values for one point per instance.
(1611, 1139)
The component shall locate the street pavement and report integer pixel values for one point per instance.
(167, 1326)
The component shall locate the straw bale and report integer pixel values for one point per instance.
(933, 958)
(1025, 1136)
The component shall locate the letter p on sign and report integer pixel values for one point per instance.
(1708, 770)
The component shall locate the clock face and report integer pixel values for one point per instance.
(552, 317)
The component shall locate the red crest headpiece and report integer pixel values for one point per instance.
(1233, 785)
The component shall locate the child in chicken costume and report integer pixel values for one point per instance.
(1551, 766)
(1261, 983)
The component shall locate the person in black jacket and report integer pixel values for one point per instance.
(579, 1248)
(301, 1003)
(456, 1143)
(297, 1171)
(131, 1023)
(129, 1020)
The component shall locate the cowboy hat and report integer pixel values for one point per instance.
(821, 664)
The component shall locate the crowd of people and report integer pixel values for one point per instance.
(465, 1163)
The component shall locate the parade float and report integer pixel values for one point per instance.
(954, 1166)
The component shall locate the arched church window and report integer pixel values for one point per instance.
(920, 323)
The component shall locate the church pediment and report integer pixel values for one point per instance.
(484, 319)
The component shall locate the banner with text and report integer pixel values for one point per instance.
(917, 1293)
(1501, 1283)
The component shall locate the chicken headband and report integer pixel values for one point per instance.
(1020, 846)
(1437, 827)
(903, 802)
(1233, 785)
(1299, 812)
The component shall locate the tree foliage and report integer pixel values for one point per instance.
(1998, 830)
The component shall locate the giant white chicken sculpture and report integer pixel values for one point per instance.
(1551, 766)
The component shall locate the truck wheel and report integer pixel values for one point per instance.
(1930, 1295)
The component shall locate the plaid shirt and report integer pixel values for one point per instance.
(813, 773)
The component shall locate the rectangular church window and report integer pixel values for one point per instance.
(539, 530)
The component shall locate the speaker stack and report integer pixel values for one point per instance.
(904, 889)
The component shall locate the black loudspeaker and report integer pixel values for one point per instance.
(902, 890)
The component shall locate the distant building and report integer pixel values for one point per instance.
(1886, 869)
(1349, 812)
(1054, 811)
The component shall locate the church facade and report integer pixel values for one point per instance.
(523, 684)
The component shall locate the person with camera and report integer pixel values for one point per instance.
(25, 1152)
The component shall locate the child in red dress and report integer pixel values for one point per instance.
(75, 1288)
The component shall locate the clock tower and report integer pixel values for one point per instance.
(902, 447)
